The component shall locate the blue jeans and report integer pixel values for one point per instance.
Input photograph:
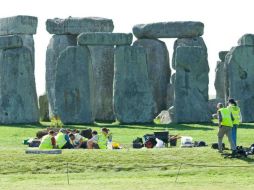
(234, 133)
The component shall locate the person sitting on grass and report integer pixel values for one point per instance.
(77, 141)
(63, 140)
(48, 141)
(99, 141)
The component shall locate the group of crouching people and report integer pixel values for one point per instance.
(70, 139)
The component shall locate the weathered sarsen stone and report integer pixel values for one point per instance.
(103, 67)
(191, 85)
(220, 77)
(57, 44)
(133, 99)
(186, 29)
(246, 39)
(74, 86)
(18, 25)
(72, 25)
(158, 70)
(240, 76)
(11, 41)
(104, 38)
(18, 98)
(44, 108)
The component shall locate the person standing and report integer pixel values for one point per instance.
(236, 112)
(226, 119)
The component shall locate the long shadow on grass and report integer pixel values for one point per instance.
(246, 126)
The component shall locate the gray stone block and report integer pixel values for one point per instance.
(77, 26)
(57, 44)
(44, 108)
(240, 77)
(11, 41)
(186, 29)
(28, 42)
(198, 41)
(220, 80)
(18, 98)
(104, 38)
(222, 55)
(246, 40)
(18, 25)
(159, 72)
(133, 99)
(103, 67)
(74, 98)
(191, 85)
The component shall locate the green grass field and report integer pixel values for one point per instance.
(126, 168)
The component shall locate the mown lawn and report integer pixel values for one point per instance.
(202, 168)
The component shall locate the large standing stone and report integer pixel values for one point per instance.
(240, 76)
(220, 77)
(246, 39)
(12, 41)
(18, 98)
(103, 66)
(44, 108)
(158, 70)
(18, 25)
(57, 44)
(191, 85)
(169, 30)
(104, 38)
(74, 86)
(78, 25)
(133, 100)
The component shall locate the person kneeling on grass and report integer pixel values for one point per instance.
(48, 141)
(99, 141)
(63, 140)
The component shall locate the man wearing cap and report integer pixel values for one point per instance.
(63, 140)
(236, 112)
(226, 119)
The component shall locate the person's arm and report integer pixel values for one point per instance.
(80, 143)
(232, 117)
(219, 118)
(67, 138)
(240, 116)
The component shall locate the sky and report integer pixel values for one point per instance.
(225, 21)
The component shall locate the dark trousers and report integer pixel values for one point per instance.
(68, 145)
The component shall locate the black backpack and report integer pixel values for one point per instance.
(199, 144)
(216, 146)
(137, 143)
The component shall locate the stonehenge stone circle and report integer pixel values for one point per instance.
(57, 44)
(104, 38)
(74, 86)
(18, 98)
(76, 26)
(158, 70)
(103, 67)
(191, 85)
(246, 39)
(10, 41)
(133, 99)
(44, 108)
(240, 78)
(169, 30)
(18, 25)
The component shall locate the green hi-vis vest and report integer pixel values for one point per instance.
(60, 140)
(46, 143)
(102, 141)
(226, 117)
(236, 112)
